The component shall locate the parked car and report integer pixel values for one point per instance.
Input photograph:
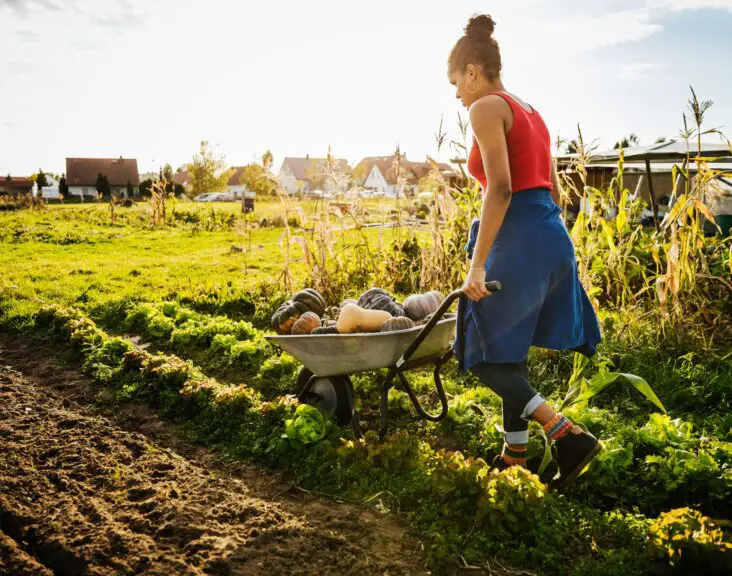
(356, 193)
(214, 197)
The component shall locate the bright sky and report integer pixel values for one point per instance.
(151, 78)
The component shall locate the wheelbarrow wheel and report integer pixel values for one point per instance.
(333, 395)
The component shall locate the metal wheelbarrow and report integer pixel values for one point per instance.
(329, 359)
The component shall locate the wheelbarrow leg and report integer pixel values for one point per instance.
(385, 385)
(440, 392)
(355, 424)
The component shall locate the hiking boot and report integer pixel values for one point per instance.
(574, 451)
(500, 464)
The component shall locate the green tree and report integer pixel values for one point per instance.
(258, 180)
(41, 181)
(102, 186)
(572, 147)
(63, 187)
(627, 141)
(167, 180)
(207, 171)
(144, 188)
(130, 189)
(267, 161)
(167, 173)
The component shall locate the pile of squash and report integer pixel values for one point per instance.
(375, 311)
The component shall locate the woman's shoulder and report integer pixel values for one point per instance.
(488, 110)
(492, 100)
(490, 104)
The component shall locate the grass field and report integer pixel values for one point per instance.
(657, 500)
(74, 254)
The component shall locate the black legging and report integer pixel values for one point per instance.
(511, 383)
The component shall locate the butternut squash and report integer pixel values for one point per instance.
(353, 318)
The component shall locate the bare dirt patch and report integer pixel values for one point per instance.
(82, 492)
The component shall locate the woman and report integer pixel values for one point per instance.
(521, 241)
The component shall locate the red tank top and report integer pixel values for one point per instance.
(529, 151)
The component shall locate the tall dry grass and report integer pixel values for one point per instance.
(676, 270)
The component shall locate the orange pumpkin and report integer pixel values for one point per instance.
(306, 323)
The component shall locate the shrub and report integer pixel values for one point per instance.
(661, 431)
(306, 427)
(692, 541)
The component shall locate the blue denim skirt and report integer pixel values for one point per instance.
(542, 302)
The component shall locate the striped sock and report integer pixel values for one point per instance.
(557, 427)
(513, 455)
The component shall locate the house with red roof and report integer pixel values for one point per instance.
(380, 173)
(17, 185)
(309, 174)
(82, 173)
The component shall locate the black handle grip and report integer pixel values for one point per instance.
(491, 286)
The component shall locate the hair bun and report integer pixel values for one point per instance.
(480, 26)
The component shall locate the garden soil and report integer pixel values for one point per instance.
(86, 489)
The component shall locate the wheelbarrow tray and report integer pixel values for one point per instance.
(341, 354)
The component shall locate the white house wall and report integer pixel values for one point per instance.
(78, 190)
(376, 180)
(287, 180)
(49, 192)
(92, 190)
(289, 184)
(237, 190)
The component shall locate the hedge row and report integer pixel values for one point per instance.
(461, 507)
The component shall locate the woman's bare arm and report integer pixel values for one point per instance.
(488, 118)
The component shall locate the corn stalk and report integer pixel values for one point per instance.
(157, 202)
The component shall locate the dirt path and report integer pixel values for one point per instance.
(82, 492)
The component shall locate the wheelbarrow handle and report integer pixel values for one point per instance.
(492, 286)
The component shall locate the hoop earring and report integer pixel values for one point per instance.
(469, 91)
